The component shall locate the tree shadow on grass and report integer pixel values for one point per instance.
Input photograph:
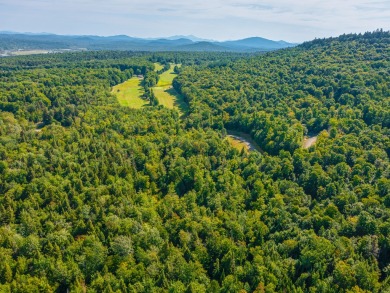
(179, 100)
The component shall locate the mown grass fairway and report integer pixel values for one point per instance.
(129, 93)
(158, 66)
(167, 77)
(168, 97)
(166, 94)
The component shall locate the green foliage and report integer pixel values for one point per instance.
(95, 197)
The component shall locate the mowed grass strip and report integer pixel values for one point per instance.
(157, 66)
(129, 93)
(166, 94)
(167, 77)
(168, 97)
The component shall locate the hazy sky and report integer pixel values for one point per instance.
(294, 21)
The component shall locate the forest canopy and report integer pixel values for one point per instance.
(96, 197)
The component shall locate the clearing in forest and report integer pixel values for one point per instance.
(29, 52)
(158, 66)
(238, 144)
(166, 94)
(166, 78)
(168, 97)
(129, 93)
(309, 141)
(241, 140)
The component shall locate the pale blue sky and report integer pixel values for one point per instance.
(293, 21)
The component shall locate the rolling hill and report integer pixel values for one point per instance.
(18, 41)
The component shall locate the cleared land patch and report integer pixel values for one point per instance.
(238, 144)
(158, 66)
(309, 141)
(166, 94)
(167, 77)
(241, 139)
(168, 97)
(29, 52)
(129, 93)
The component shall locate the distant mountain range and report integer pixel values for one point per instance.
(44, 41)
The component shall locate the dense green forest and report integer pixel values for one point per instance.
(95, 197)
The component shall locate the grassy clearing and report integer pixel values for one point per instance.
(158, 66)
(238, 144)
(129, 93)
(168, 97)
(309, 141)
(167, 77)
(244, 138)
(166, 94)
(29, 52)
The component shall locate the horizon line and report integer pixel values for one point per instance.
(148, 38)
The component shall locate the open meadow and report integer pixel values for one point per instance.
(166, 78)
(129, 93)
(169, 98)
(166, 94)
